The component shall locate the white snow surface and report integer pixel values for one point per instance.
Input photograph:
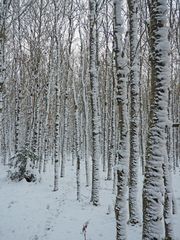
(32, 211)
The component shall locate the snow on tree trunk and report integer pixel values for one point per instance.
(105, 147)
(111, 156)
(65, 113)
(17, 118)
(67, 80)
(16, 70)
(94, 103)
(86, 143)
(105, 130)
(85, 104)
(57, 109)
(36, 64)
(64, 140)
(56, 140)
(168, 198)
(134, 113)
(4, 138)
(77, 145)
(153, 189)
(169, 233)
(122, 154)
(46, 128)
(141, 89)
(40, 146)
(47, 104)
(36, 103)
(3, 12)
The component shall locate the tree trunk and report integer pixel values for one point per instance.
(134, 113)
(94, 103)
(153, 189)
(122, 154)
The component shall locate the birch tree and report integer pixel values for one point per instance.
(105, 117)
(17, 32)
(67, 79)
(94, 101)
(122, 158)
(47, 108)
(4, 6)
(56, 140)
(134, 113)
(168, 197)
(3, 13)
(57, 101)
(83, 79)
(77, 139)
(153, 189)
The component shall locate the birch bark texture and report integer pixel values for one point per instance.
(77, 140)
(57, 102)
(94, 102)
(153, 189)
(56, 139)
(122, 158)
(134, 112)
(3, 13)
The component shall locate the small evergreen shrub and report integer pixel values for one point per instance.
(22, 166)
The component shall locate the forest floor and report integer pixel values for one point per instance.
(32, 211)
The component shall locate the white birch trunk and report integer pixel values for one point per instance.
(122, 158)
(77, 145)
(4, 136)
(168, 200)
(168, 169)
(47, 102)
(57, 101)
(64, 140)
(57, 123)
(87, 168)
(94, 104)
(134, 113)
(153, 189)
(3, 11)
(85, 103)
(46, 125)
(111, 157)
(40, 140)
(105, 125)
(56, 140)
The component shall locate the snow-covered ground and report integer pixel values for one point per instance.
(32, 211)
